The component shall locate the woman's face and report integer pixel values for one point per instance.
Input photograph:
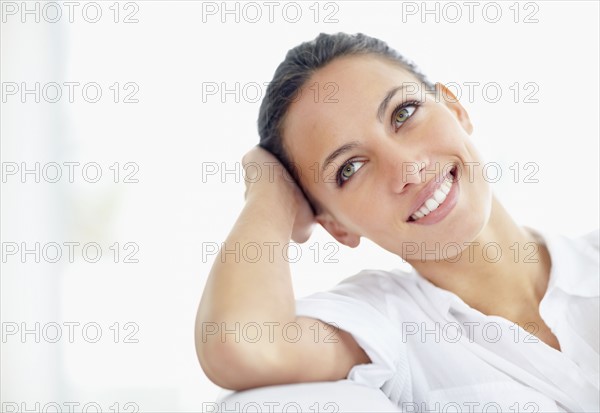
(390, 155)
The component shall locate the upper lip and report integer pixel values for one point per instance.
(428, 191)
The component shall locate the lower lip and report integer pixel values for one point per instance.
(443, 210)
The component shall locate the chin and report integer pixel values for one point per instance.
(463, 226)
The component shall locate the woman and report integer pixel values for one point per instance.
(493, 312)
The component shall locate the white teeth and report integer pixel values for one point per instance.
(438, 197)
(445, 188)
(431, 204)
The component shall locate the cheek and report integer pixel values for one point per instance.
(444, 132)
(360, 215)
(375, 219)
(356, 214)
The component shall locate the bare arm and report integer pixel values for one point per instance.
(256, 293)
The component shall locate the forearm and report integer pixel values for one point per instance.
(250, 278)
(250, 289)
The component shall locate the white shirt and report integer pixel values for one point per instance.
(430, 351)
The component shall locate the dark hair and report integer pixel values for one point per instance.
(298, 66)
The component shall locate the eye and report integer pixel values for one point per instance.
(403, 112)
(347, 170)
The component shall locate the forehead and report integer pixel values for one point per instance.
(338, 104)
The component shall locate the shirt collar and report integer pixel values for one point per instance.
(442, 299)
(574, 263)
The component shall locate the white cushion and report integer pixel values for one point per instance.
(334, 396)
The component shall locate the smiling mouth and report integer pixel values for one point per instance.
(436, 199)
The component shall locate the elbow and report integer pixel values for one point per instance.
(236, 365)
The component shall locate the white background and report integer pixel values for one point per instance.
(175, 132)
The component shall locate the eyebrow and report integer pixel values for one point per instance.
(386, 101)
(339, 151)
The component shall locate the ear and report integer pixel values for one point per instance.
(451, 101)
(337, 230)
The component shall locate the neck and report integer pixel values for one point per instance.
(504, 271)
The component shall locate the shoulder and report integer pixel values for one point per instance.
(366, 306)
(378, 282)
(377, 289)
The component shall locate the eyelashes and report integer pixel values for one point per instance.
(402, 111)
(348, 168)
(402, 114)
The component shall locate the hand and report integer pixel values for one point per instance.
(262, 169)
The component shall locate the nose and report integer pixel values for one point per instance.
(404, 170)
